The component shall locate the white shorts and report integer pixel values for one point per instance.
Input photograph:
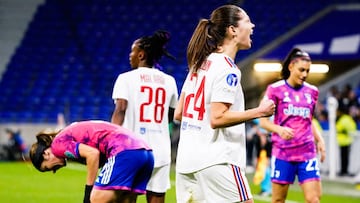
(218, 183)
(160, 179)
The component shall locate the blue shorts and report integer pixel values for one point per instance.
(129, 170)
(284, 172)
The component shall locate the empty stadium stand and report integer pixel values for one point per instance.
(72, 51)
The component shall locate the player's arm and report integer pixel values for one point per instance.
(319, 141)
(268, 125)
(119, 111)
(221, 115)
(179, 108)
(92, 157)
(284, 132)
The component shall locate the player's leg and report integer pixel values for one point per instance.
(125, 197)
(312, 191)
(154, 197)
(309, 179)
(188, 189)
(224, 183)
(113, 196)
(123, 177)
(158, 184)
(282, 175)
(279, 192)
(100, 196)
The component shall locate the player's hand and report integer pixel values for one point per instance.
(267, 107)
(286, 133)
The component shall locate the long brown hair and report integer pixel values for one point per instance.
(44, 140)
(209, 34)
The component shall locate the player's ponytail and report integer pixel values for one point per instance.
(160, 40)
(210, 33)
(155, 47)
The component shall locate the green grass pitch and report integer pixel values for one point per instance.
(20, 182)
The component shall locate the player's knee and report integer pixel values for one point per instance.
(101, 196)
(156, 194)
(312, 199)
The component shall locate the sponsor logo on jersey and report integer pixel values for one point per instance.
(232, 80)
(184, 125)
(292, 110)
(188, 126)
(144, 130)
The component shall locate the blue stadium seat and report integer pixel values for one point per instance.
(73, 51)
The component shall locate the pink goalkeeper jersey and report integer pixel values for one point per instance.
(294, 109)
(109, 138)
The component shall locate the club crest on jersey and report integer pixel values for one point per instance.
(286, 97)
(308, 98)
(232, 80)
(142, 130)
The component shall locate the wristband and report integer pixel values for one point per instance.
(88, 189)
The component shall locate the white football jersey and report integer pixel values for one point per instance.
(200, 146)
(149, 93)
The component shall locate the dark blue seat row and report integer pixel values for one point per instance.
(73, 51)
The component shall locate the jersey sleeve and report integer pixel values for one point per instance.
(65, 147)
(269, 94)
(225, 86)
(120, 90)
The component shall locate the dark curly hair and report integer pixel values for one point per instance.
(154, 46)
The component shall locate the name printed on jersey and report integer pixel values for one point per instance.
(145, 78)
